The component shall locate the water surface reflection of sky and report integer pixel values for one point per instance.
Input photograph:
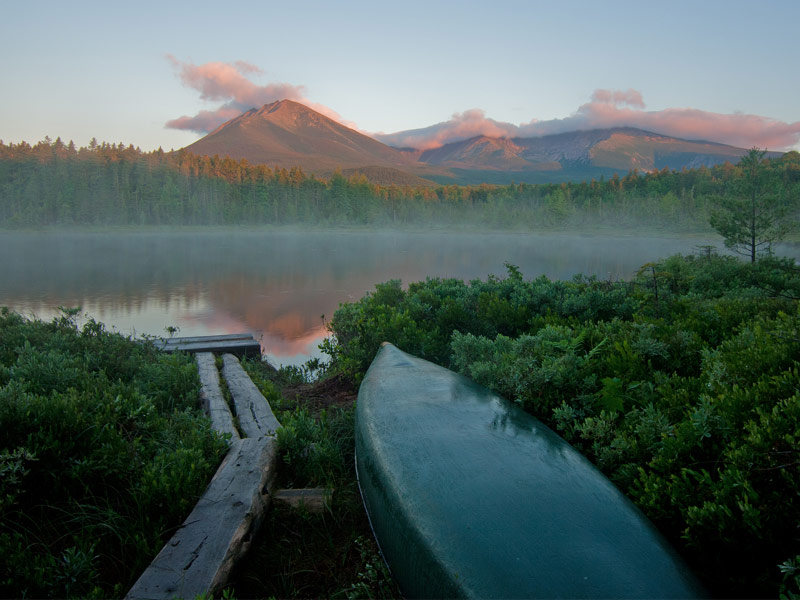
(277, 285)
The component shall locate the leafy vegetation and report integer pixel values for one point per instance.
(681, 385)
(104, 452)
(57, 184)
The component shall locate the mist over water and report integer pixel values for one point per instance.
(278, 285)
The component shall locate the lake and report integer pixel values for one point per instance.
(279, 284)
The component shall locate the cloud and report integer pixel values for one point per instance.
(229, 83)
(612, 108)
(618, 97)
(461, 126)
(205, 120)
(246, 67)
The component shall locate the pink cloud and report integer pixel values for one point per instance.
(461, 126)
(612, 108)
(247, 68)
(229, 83)
(735, 129)
(205, 120)
(618, 97)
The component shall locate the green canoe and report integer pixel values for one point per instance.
(471, 497)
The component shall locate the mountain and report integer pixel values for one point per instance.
(288, 134)
(612, 150)
(478, 152)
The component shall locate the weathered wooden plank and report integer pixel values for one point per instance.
(211, 396)
(255, 416)
(202, 553)
(314, 500)
(207, 338)
(199, 558)
(239, 347)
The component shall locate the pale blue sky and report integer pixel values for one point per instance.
(84, 69)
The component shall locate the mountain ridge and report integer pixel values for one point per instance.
(286, 133)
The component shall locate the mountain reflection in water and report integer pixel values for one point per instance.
(277, 285)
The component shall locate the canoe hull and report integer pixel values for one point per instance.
(469, 496)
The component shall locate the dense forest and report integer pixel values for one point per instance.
(57, 184)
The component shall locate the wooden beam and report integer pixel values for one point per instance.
(240, 347)
(211, 396)
(314, 500)
(207, 338)
(252, 409)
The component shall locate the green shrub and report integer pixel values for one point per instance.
(537, 371)
(313, 451)
(104, 452)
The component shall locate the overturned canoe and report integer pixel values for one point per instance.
(469, 496)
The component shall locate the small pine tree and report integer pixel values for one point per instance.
(755, 215)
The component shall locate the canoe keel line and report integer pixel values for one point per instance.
(470, 496)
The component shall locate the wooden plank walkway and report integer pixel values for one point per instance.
(199, 558)
(239, 344)
(211, 396)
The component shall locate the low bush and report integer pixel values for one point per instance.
(104, 452)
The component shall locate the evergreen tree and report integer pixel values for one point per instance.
(755, 215)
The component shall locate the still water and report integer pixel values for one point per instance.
(277, 285)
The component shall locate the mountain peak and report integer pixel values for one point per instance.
(283, 105)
